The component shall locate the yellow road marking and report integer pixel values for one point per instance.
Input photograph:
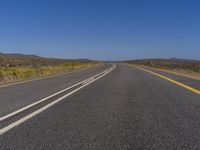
(171, 80)
(174, 73)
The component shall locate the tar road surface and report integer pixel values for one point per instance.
(127, 109)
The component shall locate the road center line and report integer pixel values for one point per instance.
(29, 116)
(46, 98)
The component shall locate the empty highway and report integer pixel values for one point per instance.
(109, 107)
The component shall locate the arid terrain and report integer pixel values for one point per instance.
(14, 67)
(184, 67)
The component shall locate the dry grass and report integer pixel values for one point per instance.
(23, 67)
(187, 68)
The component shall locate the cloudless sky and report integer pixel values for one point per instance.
(101, 29)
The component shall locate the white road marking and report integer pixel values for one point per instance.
(29, 116)
(46, 98)
(42, 78)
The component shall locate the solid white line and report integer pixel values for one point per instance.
(46, 98)
(18, 122)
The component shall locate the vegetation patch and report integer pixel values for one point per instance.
(190, 68)
(15, 67)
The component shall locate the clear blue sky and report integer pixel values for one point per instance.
(101, 29)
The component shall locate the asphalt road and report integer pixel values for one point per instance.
(124, 109)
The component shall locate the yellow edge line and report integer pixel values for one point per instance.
(174, 73)
(171, 80)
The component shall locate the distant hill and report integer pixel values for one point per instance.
(183, 60)
(169, 59)
(16, 67)
(15, 60)
(172, 63)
